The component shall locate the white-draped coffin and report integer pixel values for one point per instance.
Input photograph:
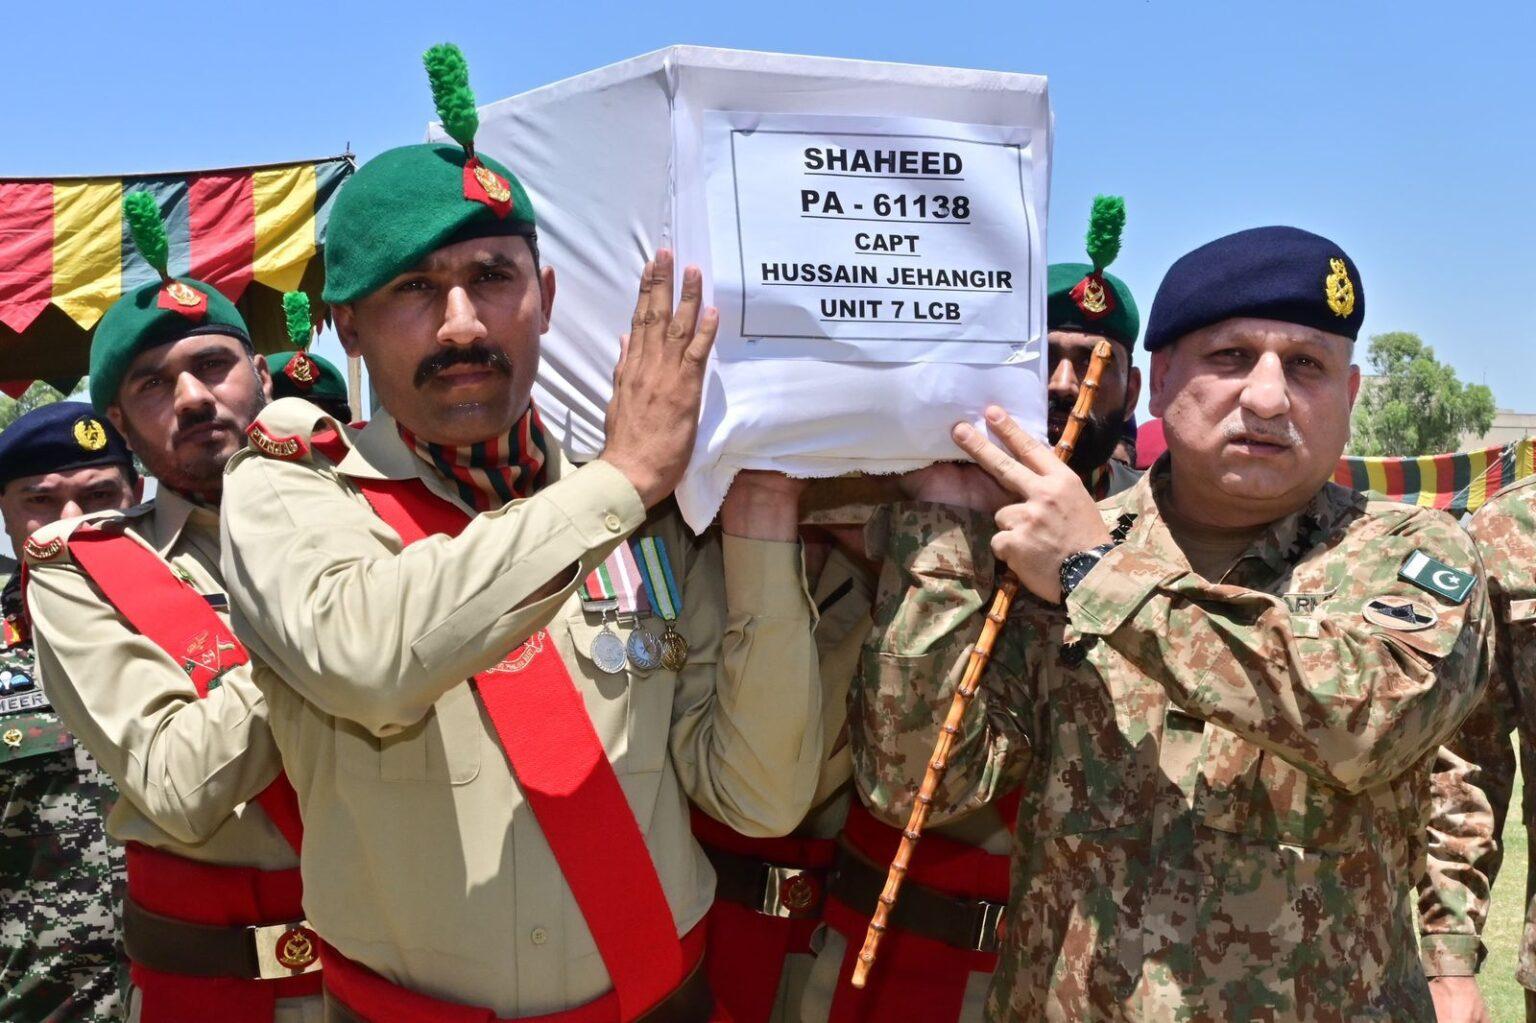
(637, 156)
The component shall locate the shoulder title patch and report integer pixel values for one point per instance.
(1437, 577)
(288, 448)
(38, 551)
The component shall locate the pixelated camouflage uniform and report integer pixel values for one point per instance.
(1224, 812)
(1475, 773)
(61, 881)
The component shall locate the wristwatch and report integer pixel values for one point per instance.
(1075, 567)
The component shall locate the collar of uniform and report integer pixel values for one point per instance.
(379, 453)
(1327, 513)
(173, 513)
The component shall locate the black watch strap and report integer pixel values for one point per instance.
(1075, 567)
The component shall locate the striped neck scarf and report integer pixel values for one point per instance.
(489, 474)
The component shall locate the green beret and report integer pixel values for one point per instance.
(139, 321)
(157, 313)
(1081, 296)
(1121, 321)
(292, 378)
(406, 203)
(402, 206)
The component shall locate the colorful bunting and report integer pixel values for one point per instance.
(1461, 482)
(63, 243)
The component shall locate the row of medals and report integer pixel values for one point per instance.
(645, 651)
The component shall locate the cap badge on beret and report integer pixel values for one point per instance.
(1106, 222)
(90, 434)
(148, 232)
(1090, 295)
(449, 74)
(1339, 289)
(484, 185)
(301, 370)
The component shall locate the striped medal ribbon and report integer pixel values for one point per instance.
(661, 587)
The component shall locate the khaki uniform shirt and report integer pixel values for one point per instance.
(1474, 775)
(185, 766)
(1224, 810)
(422, 860)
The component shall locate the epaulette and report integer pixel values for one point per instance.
(284, 429)
(50, 544)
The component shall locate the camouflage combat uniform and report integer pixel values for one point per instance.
(1475, 773)
(1224, 812)
(60, 879)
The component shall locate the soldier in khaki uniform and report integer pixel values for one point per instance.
(494, 766)
(1474, 776)
(132, 635)
(1233, 715)
(61, 881)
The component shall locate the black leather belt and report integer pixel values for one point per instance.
(169, 945)
(970, 924)
(795, 893)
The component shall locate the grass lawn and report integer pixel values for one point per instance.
(1506, 918)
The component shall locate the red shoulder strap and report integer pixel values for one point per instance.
(542, 726)
(172, 615)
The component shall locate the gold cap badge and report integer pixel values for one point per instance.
(1339, 290)
(90, 434)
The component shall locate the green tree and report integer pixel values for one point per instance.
(34, 397)
(1415, 404)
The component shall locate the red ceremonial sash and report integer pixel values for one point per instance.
(558, 761)
(169, 613)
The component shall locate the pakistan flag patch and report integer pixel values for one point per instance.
(1437, 577)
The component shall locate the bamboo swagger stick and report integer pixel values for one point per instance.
(981, 653)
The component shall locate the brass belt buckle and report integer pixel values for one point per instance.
(791, 893)
(985, 939)
(285, 950)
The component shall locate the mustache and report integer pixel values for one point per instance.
(474, 355)
(193, 418)
(1284, 434)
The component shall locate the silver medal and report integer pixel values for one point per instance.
(644, 650)
(608, 651)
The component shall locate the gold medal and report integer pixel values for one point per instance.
(674, 649)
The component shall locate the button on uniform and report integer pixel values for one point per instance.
(613, 522)
(539, 936)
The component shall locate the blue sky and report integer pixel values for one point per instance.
(1404, 131)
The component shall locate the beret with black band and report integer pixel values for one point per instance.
(157, 313)
(54, 438)
(1269, 273)
(408, 202)
(1081, 296)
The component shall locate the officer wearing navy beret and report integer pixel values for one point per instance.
(1254, 668)
(56, 462)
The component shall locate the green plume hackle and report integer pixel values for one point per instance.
(148, 230)
(1105, 223)
(296, 312)
(449, 75)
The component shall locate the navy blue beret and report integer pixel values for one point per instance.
(1272, 273)
(64, 435)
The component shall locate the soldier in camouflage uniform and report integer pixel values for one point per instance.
(1232, 678)
(1475, 775)
(60, 879)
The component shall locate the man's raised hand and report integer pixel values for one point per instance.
(1056, 516)
(659, 380)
